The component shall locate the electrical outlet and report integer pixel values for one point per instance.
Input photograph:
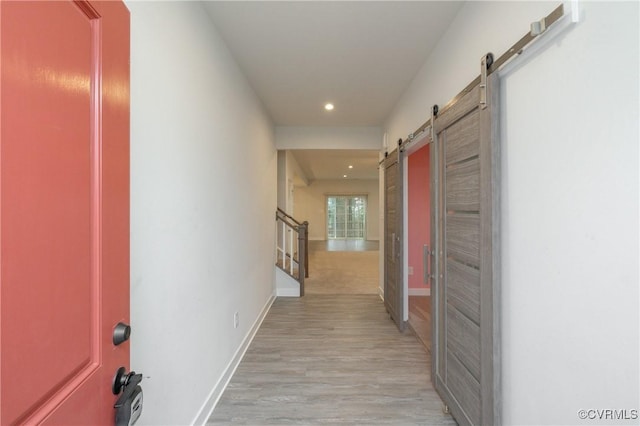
(410, 270)
(236, 320)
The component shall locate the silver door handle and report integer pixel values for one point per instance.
(426, 264)
(393, 244)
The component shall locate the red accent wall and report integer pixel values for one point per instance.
(419, 212)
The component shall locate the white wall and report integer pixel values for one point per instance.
(295, 178)
(295, 172)
(203, 176)
(328, 138)
(282, 180)
(570, 202)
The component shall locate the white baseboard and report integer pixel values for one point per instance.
(412, 292)
(326, 239)
(214, 396)
(420, 292)
(288, 292)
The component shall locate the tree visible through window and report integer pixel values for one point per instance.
(346, 217)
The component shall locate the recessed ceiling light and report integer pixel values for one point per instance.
(328, 107)
(344, 175)
(350, 166)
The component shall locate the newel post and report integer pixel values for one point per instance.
(306, 249)
(303, 255)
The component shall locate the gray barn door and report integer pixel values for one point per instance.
(393, 280)
(466, 361)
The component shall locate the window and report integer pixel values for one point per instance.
(346, 217)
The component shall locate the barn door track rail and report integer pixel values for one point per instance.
(540, 33)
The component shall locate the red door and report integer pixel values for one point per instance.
(64, 209)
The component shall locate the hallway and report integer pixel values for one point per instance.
(331, 359)
(203, 136)
(146, 146)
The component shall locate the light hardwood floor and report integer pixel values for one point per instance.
(342, 272)
(420, 319)
(344, 245)
(331, 359)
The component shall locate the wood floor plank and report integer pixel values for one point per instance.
(343, 272)
(420, 319)
(331, 359)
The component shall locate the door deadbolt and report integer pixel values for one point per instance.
(121, 333)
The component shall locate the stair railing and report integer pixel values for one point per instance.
(292, 247)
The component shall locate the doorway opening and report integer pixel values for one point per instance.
(417, 241)
(337, 192)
